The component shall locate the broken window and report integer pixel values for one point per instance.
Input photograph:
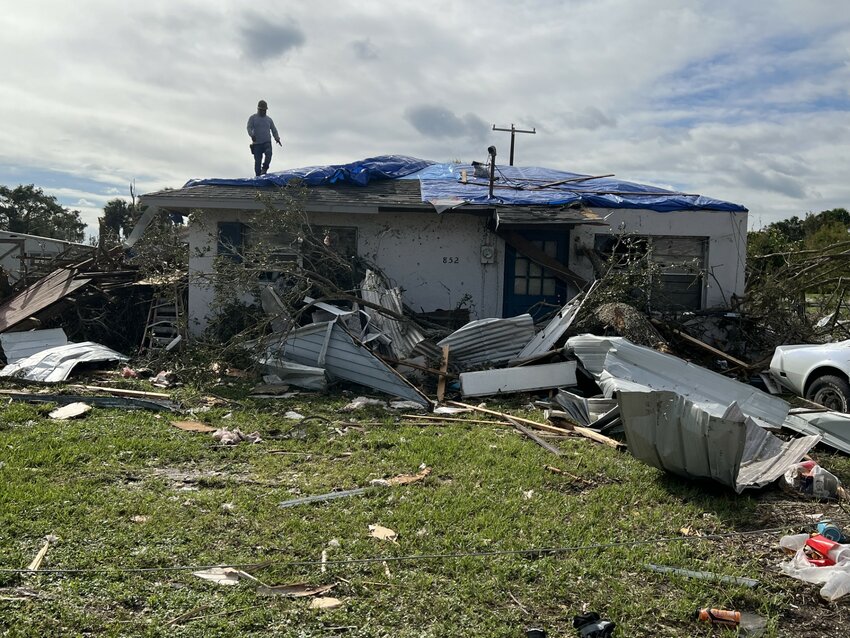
(681, 263)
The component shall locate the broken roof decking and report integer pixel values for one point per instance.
(40, 296)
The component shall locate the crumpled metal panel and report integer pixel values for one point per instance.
(20, 345)
(672, 433)
(620, 365)
(328, 345)
(833, 427)
(489, 340)
(55, 364)
(404, 336)
(543, 341)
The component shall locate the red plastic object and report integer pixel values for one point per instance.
(817, 550)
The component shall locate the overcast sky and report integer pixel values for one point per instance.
(742, 101)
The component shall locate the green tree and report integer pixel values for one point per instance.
(118, 217)
(27, 209)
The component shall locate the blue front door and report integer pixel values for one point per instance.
(530, 287)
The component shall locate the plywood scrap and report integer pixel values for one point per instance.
(193, 426)
(326, 604)
(382, 533)
(70, 411)
(407, 479)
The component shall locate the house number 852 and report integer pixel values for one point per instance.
(451, 260)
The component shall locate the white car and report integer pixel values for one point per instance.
(819, 372)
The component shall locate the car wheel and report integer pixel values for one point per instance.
(831, 392)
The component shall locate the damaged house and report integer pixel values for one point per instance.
(497, 243)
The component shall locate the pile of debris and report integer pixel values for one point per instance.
(362, 344)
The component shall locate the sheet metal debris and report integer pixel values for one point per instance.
(673, 433)
(55, 364)
(404, 337)
(306, 377)
(489, 340)
(20, 345)
(126, 403)
(330, 346)
(544, 340)
(833, 427)
(621, 365)
(330, 496)
(511, 380)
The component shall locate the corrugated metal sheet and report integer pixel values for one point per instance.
(55, 364)
(510, 380)
(489, 340)
(833, 427)
(328, 345)
(20, 345)
(544, 340)
(670, 432)
(307, 377)
(39, 296)
(620, 365)
(404, 336)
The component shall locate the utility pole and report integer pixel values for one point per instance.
(513, 131)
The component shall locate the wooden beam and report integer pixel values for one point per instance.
(704, 345)
(508, 417)
(444, 368)
(527, 249)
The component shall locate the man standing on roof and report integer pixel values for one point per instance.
(261, 128)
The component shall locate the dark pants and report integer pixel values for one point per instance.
(261, 166)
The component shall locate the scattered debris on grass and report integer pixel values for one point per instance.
(35, 564)
(70, 411)
(382, 533)
(326, 604)
(235, 436)
(295, 590)
(193, 426)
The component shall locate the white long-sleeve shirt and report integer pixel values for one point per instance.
(261, 128)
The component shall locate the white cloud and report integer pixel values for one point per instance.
(739, 101)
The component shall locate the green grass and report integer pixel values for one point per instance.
(88, 481)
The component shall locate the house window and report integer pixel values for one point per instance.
(231, 237)
(341, 239)
(532, 279)
(682, 262)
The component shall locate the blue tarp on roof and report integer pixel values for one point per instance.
(359, 173)
(442, 185)
(517, 185)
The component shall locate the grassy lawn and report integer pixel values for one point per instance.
(124, 490)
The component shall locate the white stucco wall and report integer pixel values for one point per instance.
(727, 244)
(435, 258)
